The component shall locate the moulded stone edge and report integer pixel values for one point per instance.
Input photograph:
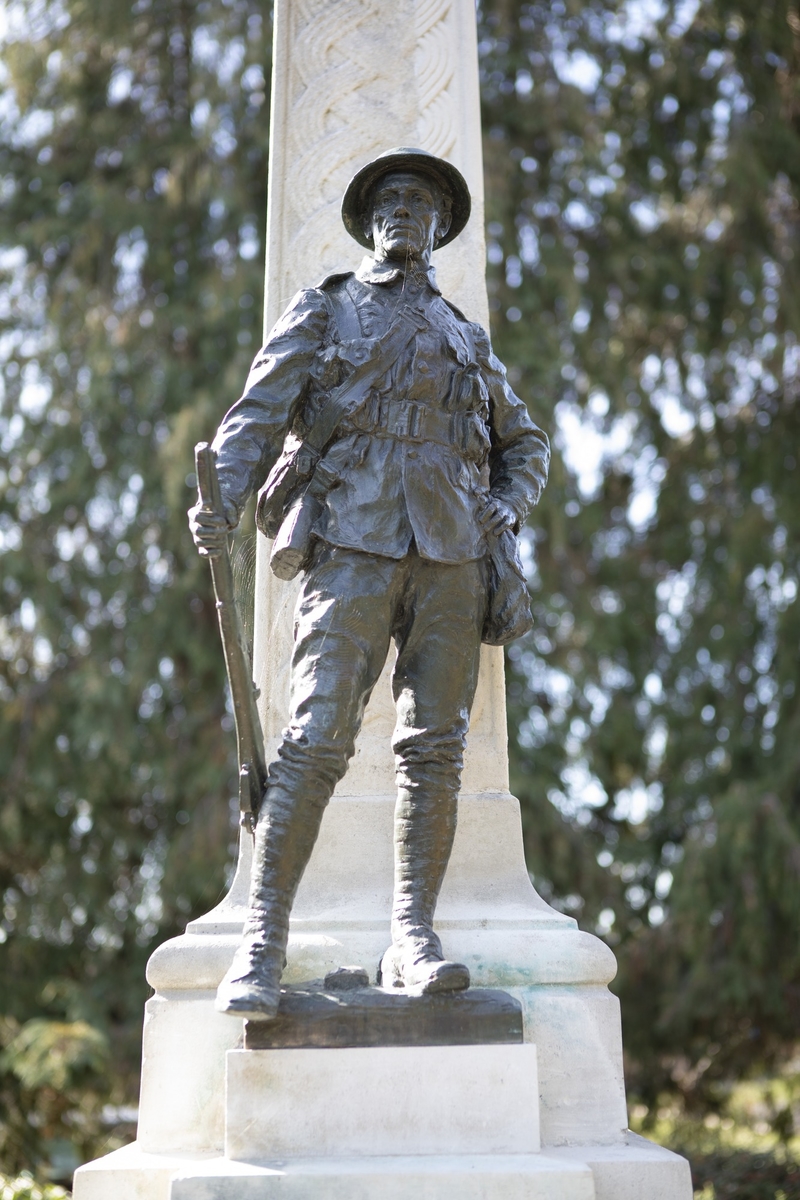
(196, 961)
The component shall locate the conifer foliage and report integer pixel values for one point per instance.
(643, 164)
(133, 167)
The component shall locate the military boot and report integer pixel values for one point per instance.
(423, 838)
(285, 835)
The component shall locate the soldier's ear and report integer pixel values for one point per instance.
(443, 222)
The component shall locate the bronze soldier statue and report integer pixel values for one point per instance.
(395, 463)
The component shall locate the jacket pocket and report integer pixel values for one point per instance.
(476, 442)
(472, 393)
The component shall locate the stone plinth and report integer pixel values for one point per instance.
(381, 1101)
(316, 1016)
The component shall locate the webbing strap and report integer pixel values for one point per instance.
(374, 360)
(414, 421)
(343, 309)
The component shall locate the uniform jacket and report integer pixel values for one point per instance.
(414, 462)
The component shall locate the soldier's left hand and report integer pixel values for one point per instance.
(497, 516)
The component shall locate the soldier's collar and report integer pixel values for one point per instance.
(372, 271)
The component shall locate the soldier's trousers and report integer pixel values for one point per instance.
(350, 608)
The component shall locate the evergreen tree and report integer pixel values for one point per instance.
(133, 162)
(643, 179)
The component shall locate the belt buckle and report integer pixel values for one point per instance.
(412, 422)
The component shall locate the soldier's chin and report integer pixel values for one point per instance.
(397, 245)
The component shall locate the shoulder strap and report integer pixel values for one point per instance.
(344, 311)
(455, 309)
(370, 363)
(465, 327)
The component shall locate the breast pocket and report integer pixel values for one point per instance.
(476, 441)
(470, 392)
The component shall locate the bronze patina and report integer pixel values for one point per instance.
(395, 466)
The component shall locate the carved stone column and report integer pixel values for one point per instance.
(352, 79)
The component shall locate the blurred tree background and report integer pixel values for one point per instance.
(643, 163)
(133, 169)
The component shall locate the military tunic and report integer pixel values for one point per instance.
(401, 553)
(438, 428)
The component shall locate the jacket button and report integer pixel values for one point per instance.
(412, 454)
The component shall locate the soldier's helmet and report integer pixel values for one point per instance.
(450, 181)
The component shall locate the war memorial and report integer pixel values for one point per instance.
(382, 1005)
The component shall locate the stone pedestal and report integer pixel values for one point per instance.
(352, 78)
(380, 1101)
(392, 1121)
(489, 917)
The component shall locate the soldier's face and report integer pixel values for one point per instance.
(406, 217)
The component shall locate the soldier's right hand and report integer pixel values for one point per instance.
(210, 531)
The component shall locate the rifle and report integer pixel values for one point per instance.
(249, 738)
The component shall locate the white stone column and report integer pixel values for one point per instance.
(350, 80)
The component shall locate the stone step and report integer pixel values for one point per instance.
(420, 1177)
(633, 1169)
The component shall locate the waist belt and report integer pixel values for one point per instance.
(414, 421)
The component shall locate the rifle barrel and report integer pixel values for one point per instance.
(249, 738)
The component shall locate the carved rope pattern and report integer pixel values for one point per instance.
(435, 69)
(347, 102)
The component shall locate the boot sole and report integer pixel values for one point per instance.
(246, 1010)
(247, 1014)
